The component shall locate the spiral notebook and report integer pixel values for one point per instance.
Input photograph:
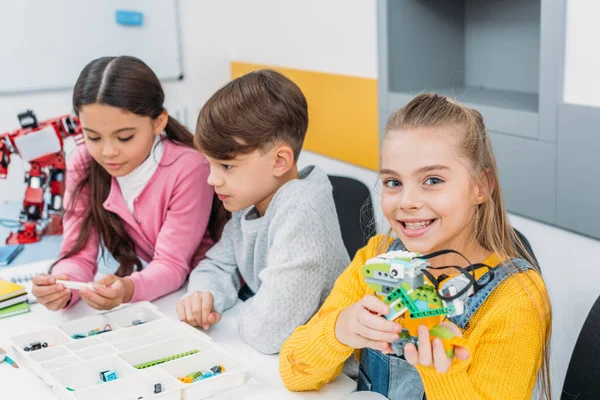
(23, 274)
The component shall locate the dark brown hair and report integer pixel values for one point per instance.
(127, 83)
(255, 111)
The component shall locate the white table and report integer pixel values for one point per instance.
(264, 383)
(21, 383)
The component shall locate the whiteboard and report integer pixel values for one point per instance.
(44, 44)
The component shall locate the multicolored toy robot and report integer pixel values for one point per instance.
(400, 277)
(40, 144)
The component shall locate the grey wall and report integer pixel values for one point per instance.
(426, 44)
(527, 175)
(578, 169)
(502, 44)
(513, 57)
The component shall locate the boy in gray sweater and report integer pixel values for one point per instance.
(283, 242)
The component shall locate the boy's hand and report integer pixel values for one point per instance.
(197, 309)
(109, 293)
(52, 296)
(435, 355)
(361, 325)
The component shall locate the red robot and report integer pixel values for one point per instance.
(40, 144)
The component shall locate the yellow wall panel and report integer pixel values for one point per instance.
(342, 113)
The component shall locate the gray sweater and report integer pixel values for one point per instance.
(289, 258)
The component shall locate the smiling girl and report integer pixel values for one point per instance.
(440, 192)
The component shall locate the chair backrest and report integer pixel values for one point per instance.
(582, 381)
(355, 212)
(527, 246)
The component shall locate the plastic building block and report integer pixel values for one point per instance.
(400, 277)
(78, 336)
(192, 377)
(157, 388)
(164, 360)
(449, 340)
(108, 375)
(97, 331)
(199, 375)
(217, 369)
(35, 346)
(207, 374)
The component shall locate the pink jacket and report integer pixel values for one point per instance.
(169, 226)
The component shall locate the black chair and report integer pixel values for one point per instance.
(527, 245)
(582, 381)
(355, 212)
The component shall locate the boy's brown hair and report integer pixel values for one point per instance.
(255, 111)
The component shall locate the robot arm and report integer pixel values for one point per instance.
(5, 152)
(70, 126)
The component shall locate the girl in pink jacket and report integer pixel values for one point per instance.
(137, 189)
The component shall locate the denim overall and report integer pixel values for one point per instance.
(391, 375)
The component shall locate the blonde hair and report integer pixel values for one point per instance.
(491, 226)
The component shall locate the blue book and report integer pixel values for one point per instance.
(8, 253)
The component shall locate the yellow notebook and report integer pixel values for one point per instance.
(9, 290)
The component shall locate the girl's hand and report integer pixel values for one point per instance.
(110, 292)
(435, 355)
(361, 325)
(52, 296)
(197, 309)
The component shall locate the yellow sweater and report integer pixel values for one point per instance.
(505, 339)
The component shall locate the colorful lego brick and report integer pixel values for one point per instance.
(379, 271)
(449, 340)
(78, 336)
(35, 346)
(380, 287)
(396, 310)
(108, 375)
(217, 369)
(199, 375)
(164, 360)
(432, 312)
(207, 375)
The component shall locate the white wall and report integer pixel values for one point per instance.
(340, 37)
(337, 36)
(582, 60)
(205, 49)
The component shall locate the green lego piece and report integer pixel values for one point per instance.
(397, 308)
(432, 312)
(377, 271)
(164, 360)
(195, 375)
(408, 299)
(392, 297)
(444, 334)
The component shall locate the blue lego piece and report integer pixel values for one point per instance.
(108, 375)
